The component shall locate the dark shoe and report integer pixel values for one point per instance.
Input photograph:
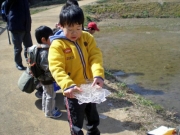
(38, 94)
(40, 89)
(20, 67)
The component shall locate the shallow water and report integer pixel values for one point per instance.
(147, 51)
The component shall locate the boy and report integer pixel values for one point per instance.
(73, 60)
(92, 27)
(68, 3)
(42, 34)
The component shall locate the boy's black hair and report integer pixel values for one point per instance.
(55, 30)
(43, 31)
(72, 2)
(71, 15)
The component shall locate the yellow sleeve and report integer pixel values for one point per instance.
(95, 58)
(57, 65)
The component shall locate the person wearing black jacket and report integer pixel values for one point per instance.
(19, 23)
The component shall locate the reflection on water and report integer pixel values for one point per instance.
(147, 53)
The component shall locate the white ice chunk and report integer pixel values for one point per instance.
(91, 94)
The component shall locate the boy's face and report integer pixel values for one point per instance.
(72, 32)
(44, 41)
(48, 42)
(91, 31)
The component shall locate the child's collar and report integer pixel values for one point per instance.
(44, 45)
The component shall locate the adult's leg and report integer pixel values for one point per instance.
(75, 114)
(92, 119)
(27, 42)
(17, 37)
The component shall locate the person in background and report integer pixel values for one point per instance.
(19, 23)
(72, 2)
(42, 34)
(92, 27)
(74, 59)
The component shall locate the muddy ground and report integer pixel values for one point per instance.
(147, 52)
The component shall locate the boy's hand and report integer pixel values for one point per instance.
(70, 92)
(98, 82)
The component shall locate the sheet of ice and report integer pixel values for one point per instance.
(91, 94)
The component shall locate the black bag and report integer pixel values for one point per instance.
(27, 83)
(5, 10)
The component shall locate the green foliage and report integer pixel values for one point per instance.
(120, 0)
(149, 103)
(102, 1)
(158, 108)
(118, 9)
(37, 10)
(47, 3)
(108, 74)
(41, 6)
(122, 85)
(121, 94)
(87, 20)
(144, 101)
(145, 14)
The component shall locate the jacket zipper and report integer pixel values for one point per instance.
(82, 60)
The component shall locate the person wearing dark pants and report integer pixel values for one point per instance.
(19, 23)
(74, 59)
(76, 118)
(18, 38)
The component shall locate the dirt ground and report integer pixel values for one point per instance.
(21, 114)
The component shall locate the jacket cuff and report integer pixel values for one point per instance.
(70, 87)
(99, 77)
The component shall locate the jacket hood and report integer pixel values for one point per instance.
(58, 35)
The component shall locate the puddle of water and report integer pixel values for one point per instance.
(147, 54)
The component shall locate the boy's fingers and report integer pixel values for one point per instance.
(77, 89)
(93, 84)
(69, 94)
(96, 83)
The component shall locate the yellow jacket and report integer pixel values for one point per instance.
(73, 63)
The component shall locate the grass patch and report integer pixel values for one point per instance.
(121, 94)
(108, 75)
(149, 103)
(34, 11)
(47, 3)
(102, 1)
(116, 10)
